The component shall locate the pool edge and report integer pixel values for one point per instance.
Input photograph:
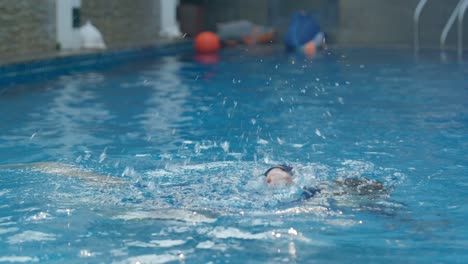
(46, 67)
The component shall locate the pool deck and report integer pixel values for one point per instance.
(43, 66)
(34, 57)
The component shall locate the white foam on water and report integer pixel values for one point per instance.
(84, 253)
(167, 243)
(297, 145)
(357, 165)
(315, 210)
(7, 223)
(28, 209)
(30, 236)
(210, 165)
(140, 244)
(167, 214)
(18, 259)
(142, 155)
(231, 232)
(378, 153)
(5, 218)
(39, 216)
(149, 259)
(213, 246)
(179, 169)
(342, 222)
(259, 221)
(65, 211)
(119, 252)
(206, 244)
(8, 230)
(158, 173)
(156, 243)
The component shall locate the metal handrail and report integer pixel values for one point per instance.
(449, 24)
(417, 14)
(461, 16)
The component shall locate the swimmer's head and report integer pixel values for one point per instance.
(279, 176)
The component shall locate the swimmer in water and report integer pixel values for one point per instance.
(282, 176)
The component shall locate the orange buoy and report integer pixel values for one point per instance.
(207, 42)
(309, 49)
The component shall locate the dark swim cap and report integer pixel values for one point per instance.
(285, 168)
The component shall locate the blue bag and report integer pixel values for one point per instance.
(302, 29)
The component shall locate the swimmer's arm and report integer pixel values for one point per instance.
(64, 170)
(309, 192)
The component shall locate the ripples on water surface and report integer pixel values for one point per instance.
(162, 161)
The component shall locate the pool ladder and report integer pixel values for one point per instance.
(459, 11)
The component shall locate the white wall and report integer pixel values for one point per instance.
(67, 36)
(169, 24)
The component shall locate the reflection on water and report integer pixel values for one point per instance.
(167, 102)
(74, 115)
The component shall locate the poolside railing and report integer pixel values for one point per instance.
(461, 16)
(417, 14)
(458, 12)
(449, 24)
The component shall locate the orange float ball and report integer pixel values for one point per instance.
(207, 42)
(310, 49)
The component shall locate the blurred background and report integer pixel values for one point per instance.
(30, 28)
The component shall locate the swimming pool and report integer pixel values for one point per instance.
(183, 146)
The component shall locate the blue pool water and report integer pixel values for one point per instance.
(160, 160)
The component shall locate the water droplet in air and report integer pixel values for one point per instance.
(128, 171)
(318, 132)
(292, 231)
(225, 146)
(280, 141)
(292, 249)
(102, 157)
(86, 253)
